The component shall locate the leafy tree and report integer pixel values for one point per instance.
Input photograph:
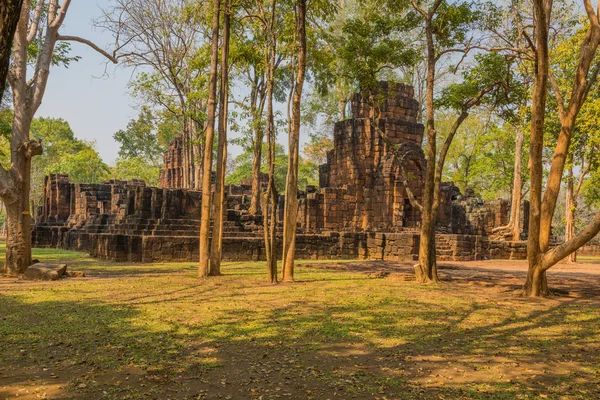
(167, 40)
(482, 155)
(243, 169)
(315, 150)
(543, 203)
(139, 139)
(63, 154)
(136, 168)
(37, 47)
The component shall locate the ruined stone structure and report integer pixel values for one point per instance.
(362, 209)
(172, 174)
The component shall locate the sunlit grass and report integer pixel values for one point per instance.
(373, 337)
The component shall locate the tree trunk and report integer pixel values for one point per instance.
(570, 208)
(197, 153)
(536, 284)
(291, 192)
(199, 156)
(426, 269)
(341, 102)
(18, 239)
(515, 208)
(270, 203)
(18, 215)
(185, 154)
(205, 216)
(581, 84)
(217, 241)
(10, 11)
(256, 163)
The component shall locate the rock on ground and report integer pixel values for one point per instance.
(45, 272)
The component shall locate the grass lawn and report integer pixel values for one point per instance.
(157, 331)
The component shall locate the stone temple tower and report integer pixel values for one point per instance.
(375, 160)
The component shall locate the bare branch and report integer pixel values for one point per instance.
(111, 57)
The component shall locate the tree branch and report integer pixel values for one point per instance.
(553, 256)
(60, 16)
(411, 197)
(37, 14)
(592, 16)
(419, 9)
(559, 97)
(78, 39)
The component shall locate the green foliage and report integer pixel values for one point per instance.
(6, 115)
(146, 138)
(591, 191)
(491, 70)
(136, 168)
(308, 172)
(482, 156)
(242, 169)
(83, 166)
(373, 40)
(63, 154)
(455, 21)
(142, 145)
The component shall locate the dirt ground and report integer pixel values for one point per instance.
(581, 279)
(345, 330)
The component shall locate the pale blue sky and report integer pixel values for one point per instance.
(97, 106)
(94, 107)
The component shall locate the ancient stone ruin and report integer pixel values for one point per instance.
(361, 210)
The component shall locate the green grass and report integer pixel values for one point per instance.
(157, 331)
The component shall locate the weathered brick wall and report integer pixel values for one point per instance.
(360, 210)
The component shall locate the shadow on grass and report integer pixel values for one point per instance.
(358, 337)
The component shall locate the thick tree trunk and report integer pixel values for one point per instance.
(291, 191)
(553, 184)
(203, 268)
(18, 240)
(18, 214)
(426, 269)
(10, 10)
(536, 284)
(217, 241)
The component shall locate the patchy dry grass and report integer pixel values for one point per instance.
(157, 331)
